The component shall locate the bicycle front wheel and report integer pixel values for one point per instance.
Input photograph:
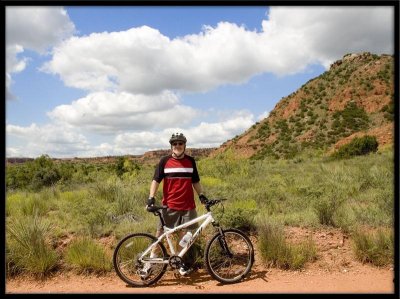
(229, 261)
(130, 269)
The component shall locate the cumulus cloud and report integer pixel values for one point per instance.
(202, 135)
(108, 113)
(140, 142)
(325, 34)
(13, 65)
(54, 140)
(63, 140)
(37, 27)
(142, 60)
(214, 134)
(32, 27)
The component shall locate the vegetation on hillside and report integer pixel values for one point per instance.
(357, 147)
(355, 95)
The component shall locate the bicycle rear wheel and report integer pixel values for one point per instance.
(126, 260)
(230, 263)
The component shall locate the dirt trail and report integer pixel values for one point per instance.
(335, 271)
(363, 280)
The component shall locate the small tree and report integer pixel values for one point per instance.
(45, 172)
(119, 166)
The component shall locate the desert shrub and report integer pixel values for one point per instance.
(125, 166)
(28, 246)
(376, 247)
(34, 204)
(357, 147)
(239, 214)
(326, 208)
(18, 176)
(277, 252)
(352, 118)
(85, 255)
(388, 111)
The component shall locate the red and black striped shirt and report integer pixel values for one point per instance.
(178, 176)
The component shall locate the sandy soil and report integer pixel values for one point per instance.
(335, 271)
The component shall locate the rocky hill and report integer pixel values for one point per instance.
(354, 97)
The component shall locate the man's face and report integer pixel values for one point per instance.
(178, 147)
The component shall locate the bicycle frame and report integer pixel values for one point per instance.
(206, 218)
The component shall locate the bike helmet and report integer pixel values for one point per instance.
(177, 137)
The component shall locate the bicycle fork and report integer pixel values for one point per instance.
(223, 244)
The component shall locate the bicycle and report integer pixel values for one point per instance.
(228, 255)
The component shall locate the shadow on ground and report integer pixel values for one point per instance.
(199, 277)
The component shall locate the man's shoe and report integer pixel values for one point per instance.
(185, 270)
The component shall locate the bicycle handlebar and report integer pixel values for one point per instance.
(208, 204)
(211, 202)
(154, 208)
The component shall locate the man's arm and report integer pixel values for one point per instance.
(153, 188)
(198, 188)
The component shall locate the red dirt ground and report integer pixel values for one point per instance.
(335, 271)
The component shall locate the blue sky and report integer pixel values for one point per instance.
(96, 81)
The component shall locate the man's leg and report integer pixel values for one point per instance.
(190, 257)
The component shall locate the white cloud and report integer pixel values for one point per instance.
(325, 34)
(13, 65)
(108, 113)
(203, 135)
(32, 27)
(65, 141)
(214, 134)
(37, 27)
(48, 139)
(142, 60)
(140, 142)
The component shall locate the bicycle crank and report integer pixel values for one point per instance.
(175, 261)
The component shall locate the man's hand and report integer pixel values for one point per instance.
(203, 199)
(150, 201)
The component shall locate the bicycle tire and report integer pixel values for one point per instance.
(126, 264)
(229, 269)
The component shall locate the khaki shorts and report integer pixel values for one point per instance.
(174, 218)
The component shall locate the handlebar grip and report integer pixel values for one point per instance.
(154, 208)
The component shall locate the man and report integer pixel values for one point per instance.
(179, 172)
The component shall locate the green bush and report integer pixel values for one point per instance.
(28, 248)
(276, 251)
(239, 214)
(327, 207)
(376, 248)
(357, 147)
(85, 255)
(352, 118)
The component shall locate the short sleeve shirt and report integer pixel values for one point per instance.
(178, 176)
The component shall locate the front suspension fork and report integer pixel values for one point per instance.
(223, 244)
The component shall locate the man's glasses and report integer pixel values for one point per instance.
(177, 143)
